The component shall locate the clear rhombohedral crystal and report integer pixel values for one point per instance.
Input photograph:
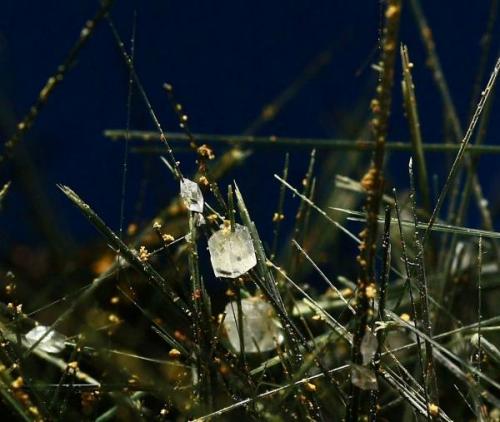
(261, 330)
(231, 253)
(52, 342)
(191, 194)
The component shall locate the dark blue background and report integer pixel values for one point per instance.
(225, 60)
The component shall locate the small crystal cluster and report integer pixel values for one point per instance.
(191, 194)
(51, 343)
(261, 331)
(231, 253)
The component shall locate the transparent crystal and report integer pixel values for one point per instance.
(191, 194)
(194, 375)
(199, 220)
(363, 377)
(462, 258)
(369, 346)
(231, 253)
(52, 342)
(261, 330)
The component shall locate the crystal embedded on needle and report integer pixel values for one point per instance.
(51, 343)
(199, 220)
(261, 331)
(369, 346)
(231, 253)
(191, 194)
(363, 377)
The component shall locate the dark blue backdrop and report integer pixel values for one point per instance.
(225, 60)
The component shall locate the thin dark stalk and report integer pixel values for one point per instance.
(110, 414)
(435, 64)
(287, 142)
(307, 213)
(478, 401)
(238, 317)
(388, 378)
(323, 276)
(485, 44)
(13, 360)
(373, 182)
(8, 396)
(412, 300)
(402, 388)
(414, 124)
(54, 80)
(266, 282)
(331, 321)
(465, 329)
(300, 215)
(318, 209)
(307, 183)
(142, 266)
(171, 341)
(460, 154)
(437, 227)
(201, 321)
(383, 282)
(469, 187)
(230, 203)
(203, 157)
(269, 112)
(479, 301)
(451, 114)
(181, 115)
(65, 374)
(127, 129)
(279, 215)
(128, 61)
(430, 379)
(449, 355)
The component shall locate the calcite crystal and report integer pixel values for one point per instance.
(231, 253)
(261, 330)
(369, 345)
(52, 342)
(191, 194)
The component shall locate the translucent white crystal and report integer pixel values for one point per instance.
(363, 377)
(52, 342)
(199, 220)
(462, 258)
(369, 345)
(261, 330)
(231, 253)
(191, 194)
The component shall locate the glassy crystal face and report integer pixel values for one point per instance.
(369, 346)
(363, 377)
(231, 253)
(199, 220)
(191, 194)
(261, 331)
(462, 258)
(52, 343)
